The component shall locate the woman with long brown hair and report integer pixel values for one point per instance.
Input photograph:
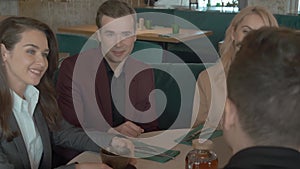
(30, 120)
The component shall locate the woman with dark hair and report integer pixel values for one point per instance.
(30, 120)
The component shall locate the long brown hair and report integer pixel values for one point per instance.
(228, 49)
(10, 33)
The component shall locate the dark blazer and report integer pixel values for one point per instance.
(83, 91)
(265, 157)
(13, 154)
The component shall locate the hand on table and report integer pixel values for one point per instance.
(92, 166)
(129, 129)
(122, 146)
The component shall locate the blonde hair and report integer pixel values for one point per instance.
(228, 48)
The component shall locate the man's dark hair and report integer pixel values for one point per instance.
(114, 9)
(264, 84)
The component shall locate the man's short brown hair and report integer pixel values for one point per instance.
(114, 9)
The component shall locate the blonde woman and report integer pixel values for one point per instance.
(210, 91)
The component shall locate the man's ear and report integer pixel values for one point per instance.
(230, 115)
(4, 52)
(98, 35)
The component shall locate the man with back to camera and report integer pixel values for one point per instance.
(116, 21)
(261, 119)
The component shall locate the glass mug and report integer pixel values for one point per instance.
(148, 24)
(175, 28)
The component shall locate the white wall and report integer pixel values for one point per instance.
(172, 2)
(57, 14)
(9, 7)
(278, 6)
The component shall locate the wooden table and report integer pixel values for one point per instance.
(220, 148)
(162, 35)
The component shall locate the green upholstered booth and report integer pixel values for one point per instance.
(70, 43)
(289, 21)
(177, 81)
(166, 11)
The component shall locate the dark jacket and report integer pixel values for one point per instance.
(13, 154)
(265, 158)
(84, 91)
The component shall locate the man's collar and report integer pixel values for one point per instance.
(119, 68)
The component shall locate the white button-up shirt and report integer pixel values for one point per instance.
(23, 110)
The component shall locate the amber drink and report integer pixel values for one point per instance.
(202, 156)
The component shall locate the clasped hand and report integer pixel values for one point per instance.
(129, 129)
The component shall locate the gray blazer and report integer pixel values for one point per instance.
(13, 154)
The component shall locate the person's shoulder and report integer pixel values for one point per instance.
(70, 59)
(204, 76)
(68, 63)
(213, 74)
(88, 56)
(211, 71)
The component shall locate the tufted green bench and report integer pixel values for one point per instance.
(178, 100)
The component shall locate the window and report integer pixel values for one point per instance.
(225, 2)
(202, 3)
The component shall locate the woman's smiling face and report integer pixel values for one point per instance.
(27, 62)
